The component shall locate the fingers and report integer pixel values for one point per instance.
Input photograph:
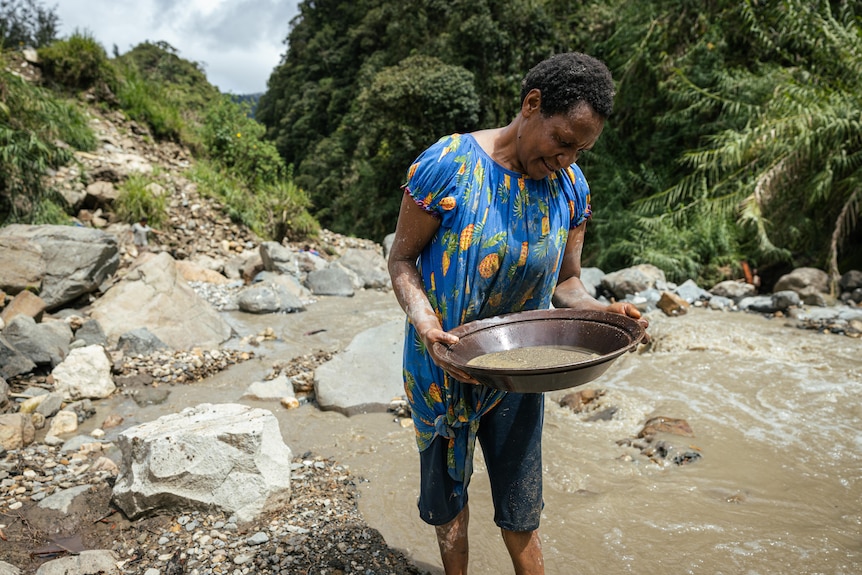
(439, 336)
(462, 376)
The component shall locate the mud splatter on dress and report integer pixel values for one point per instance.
(498, 250)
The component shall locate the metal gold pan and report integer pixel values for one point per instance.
(607, 334)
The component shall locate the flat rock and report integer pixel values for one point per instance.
(366, 375)
(62, 500)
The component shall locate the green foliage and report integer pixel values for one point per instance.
(249, 177)
(235, 140)
(274, 211)
(789, 164)
(49, 211)
(183, 83)
(37, 133)
(164, 91)
(320, 107)
(136, 200)
(78, 63)
(26, 23)
(400, 111)
(147, 102)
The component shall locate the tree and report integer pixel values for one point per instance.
(404, 109)
(789, 167)
(26, 23)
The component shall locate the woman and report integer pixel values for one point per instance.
(493, 222)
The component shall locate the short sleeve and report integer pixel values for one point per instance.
(432, 178)
(578, 194)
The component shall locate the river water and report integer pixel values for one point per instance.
(777, 419)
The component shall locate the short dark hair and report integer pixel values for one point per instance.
(565, 80)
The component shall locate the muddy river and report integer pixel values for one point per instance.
(777, 419)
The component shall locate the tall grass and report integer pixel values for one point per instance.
(136, 200)
(273, 211)
(148, 103)
(38, 132)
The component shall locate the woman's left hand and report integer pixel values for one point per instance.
(633, 312)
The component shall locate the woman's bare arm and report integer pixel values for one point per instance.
(414, 231)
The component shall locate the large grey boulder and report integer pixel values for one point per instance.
(367, 375)
(758, 303)
(691, 292)
(732, 289)
(333, 280)
(44, 343)
(851, 280)
(278, 258)
(60, 262)
(783, 300)
(289, 282)
(592, 280)
(227, 457)
(91, 333)
(281, 259)
(140, 341)
(369, 266)
(633, 280)
(12, 361)
(811, 284)
(268, 298)
(154, 296)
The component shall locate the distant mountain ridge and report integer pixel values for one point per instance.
(252, 100)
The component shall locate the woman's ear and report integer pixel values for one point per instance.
(532, 102)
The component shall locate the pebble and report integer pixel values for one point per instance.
(258, 538)
(173, 367)
(223, 297)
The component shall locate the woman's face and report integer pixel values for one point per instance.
(549, 144)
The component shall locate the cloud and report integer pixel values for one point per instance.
(238, 42)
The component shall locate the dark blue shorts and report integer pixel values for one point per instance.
(511, 440)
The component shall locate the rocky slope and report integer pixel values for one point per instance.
(321, 531)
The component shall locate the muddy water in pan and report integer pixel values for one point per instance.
(776, 414)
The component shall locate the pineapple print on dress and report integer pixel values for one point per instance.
(489, 265)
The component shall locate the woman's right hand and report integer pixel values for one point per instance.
(435, 334)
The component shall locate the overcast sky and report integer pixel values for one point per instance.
(238, 42)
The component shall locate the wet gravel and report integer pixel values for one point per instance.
(319, 532)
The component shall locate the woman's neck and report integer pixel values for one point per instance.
(501, 145)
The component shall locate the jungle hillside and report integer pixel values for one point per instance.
(736, 134)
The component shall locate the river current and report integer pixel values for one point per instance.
(777, 419)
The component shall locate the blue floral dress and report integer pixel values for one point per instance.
(498, 250)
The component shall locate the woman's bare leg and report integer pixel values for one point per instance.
(525, 549)
(452, 539)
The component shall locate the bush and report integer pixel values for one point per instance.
(286, 206)
(236, 141)
(275, 211)
(79, 63)
(136, 201)
(164, 91)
